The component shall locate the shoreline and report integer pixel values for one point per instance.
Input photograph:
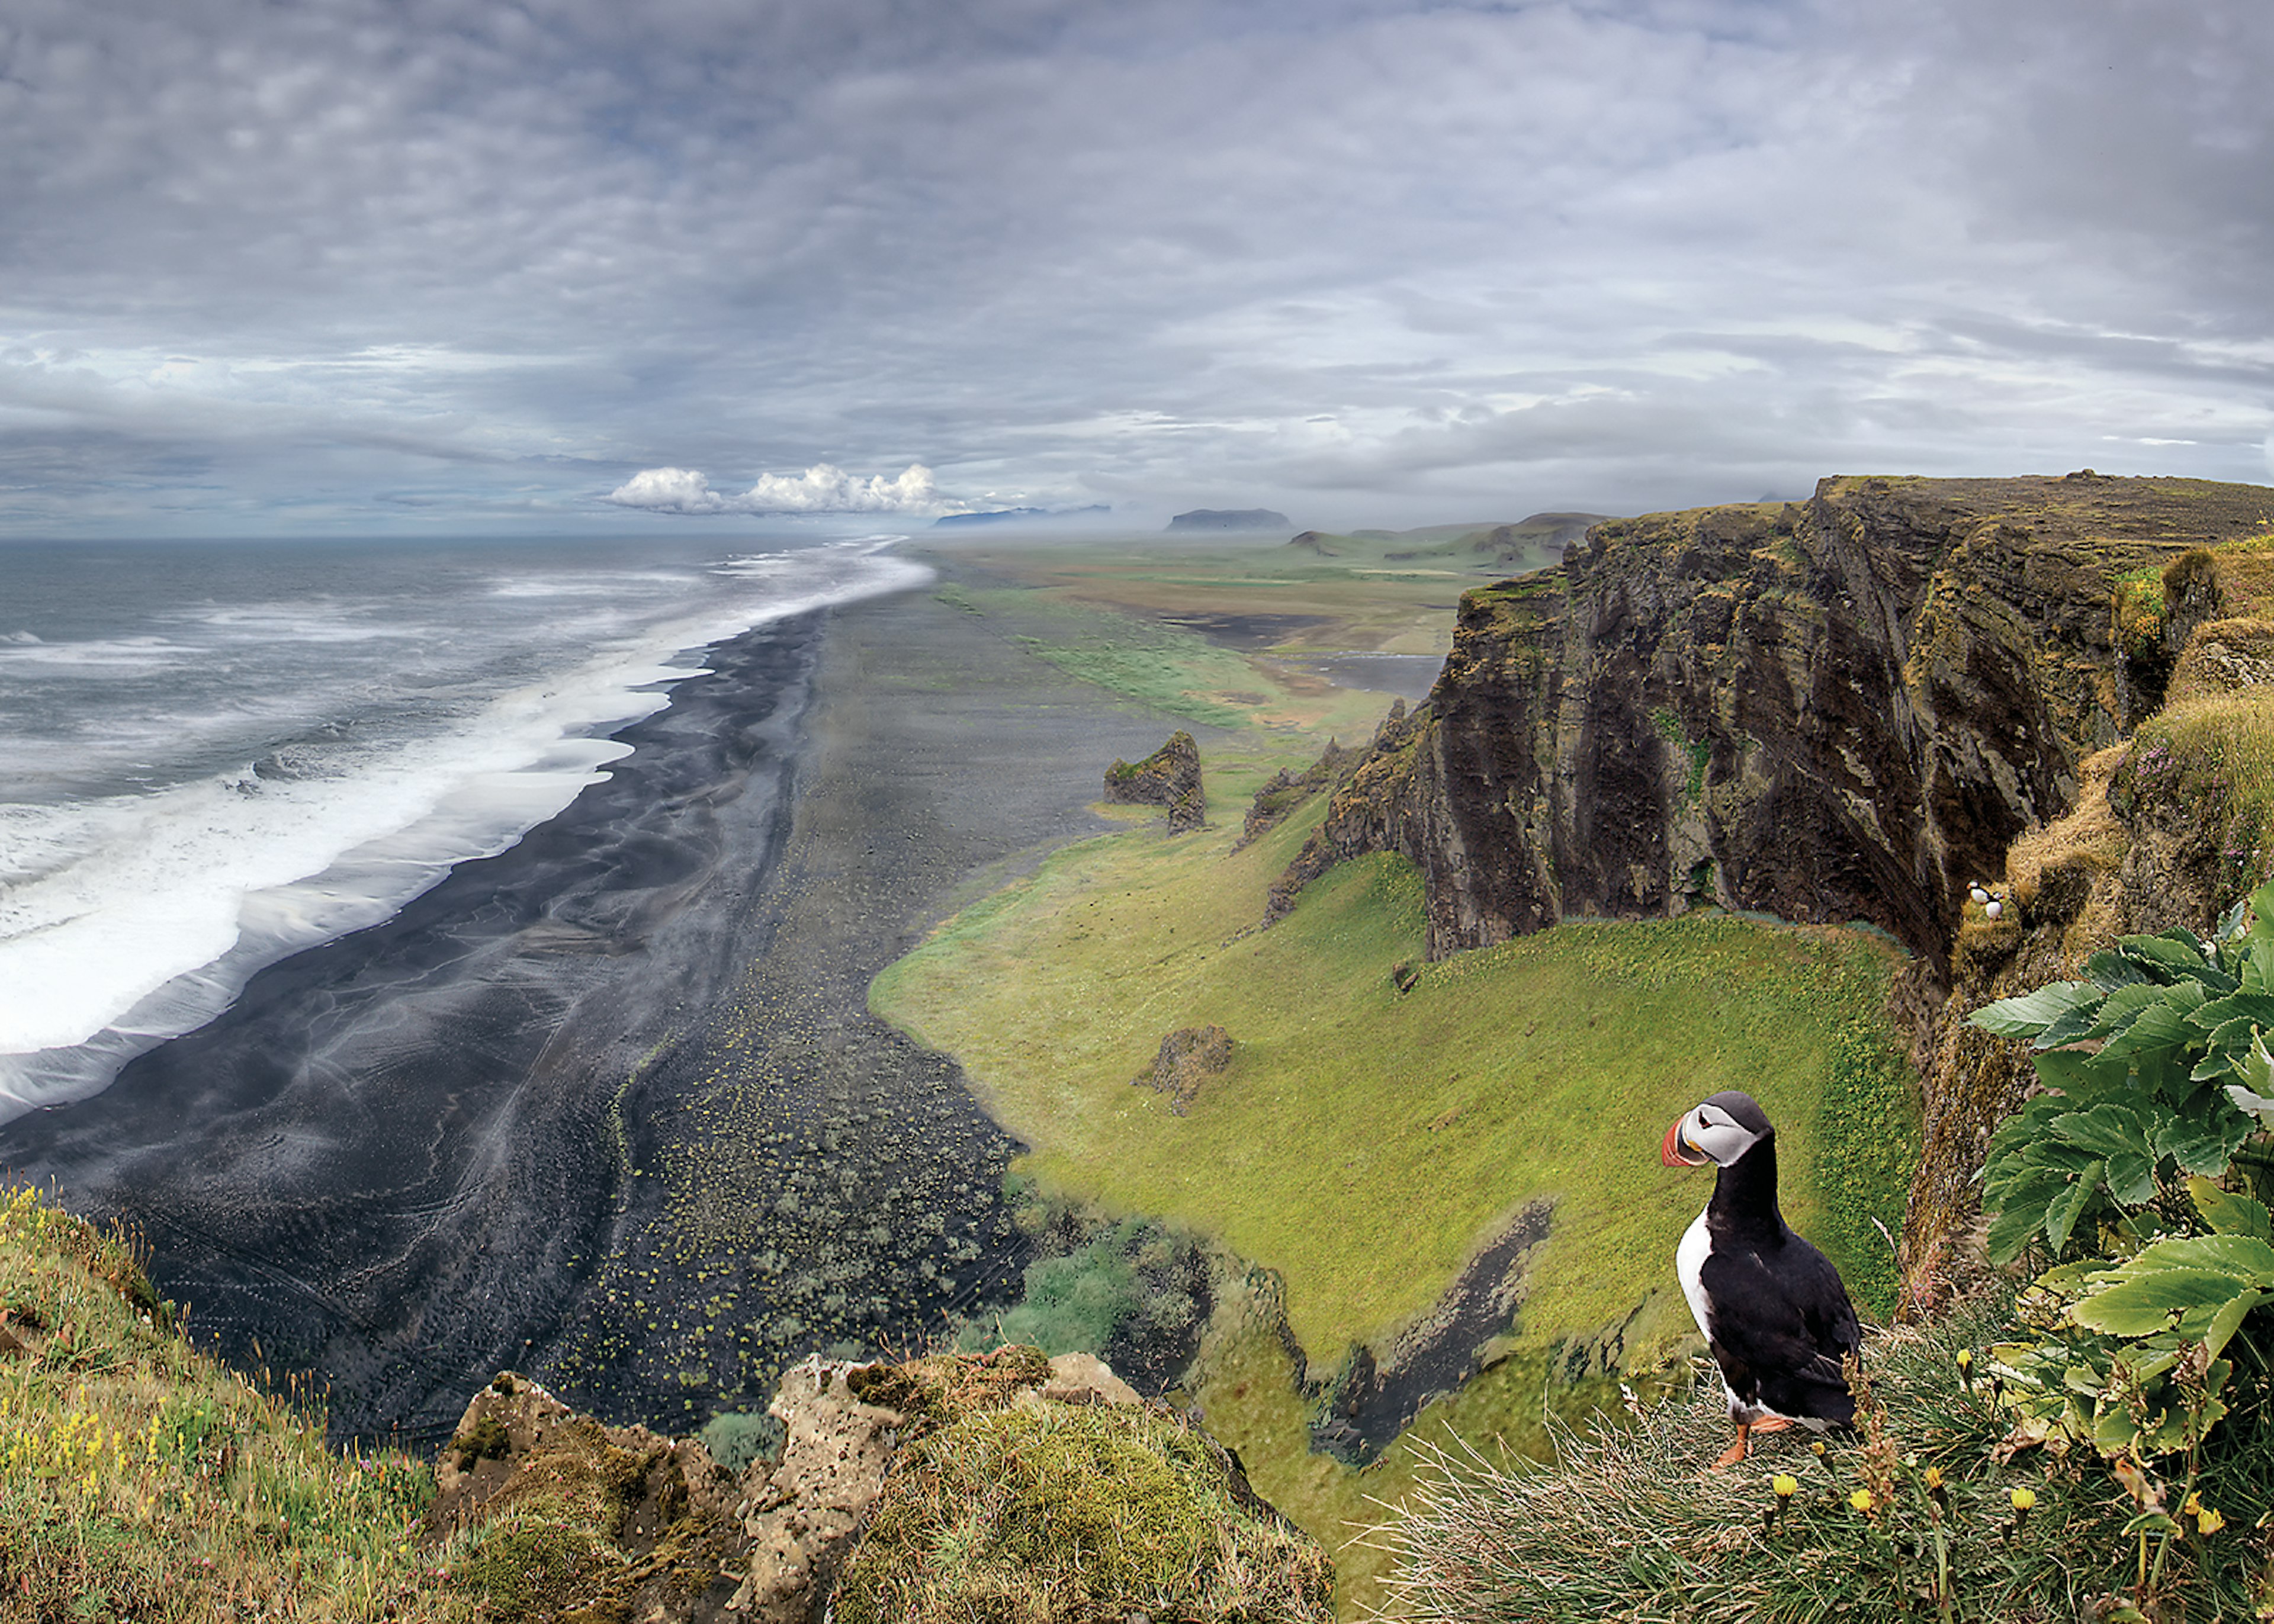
(603, 1106)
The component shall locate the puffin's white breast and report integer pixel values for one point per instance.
(1689, 1266)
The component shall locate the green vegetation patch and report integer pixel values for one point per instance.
(2214, 753)
(1364, 1141)
(1935, 1510)
(1061, 1512)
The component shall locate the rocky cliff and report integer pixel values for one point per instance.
(1834, 710)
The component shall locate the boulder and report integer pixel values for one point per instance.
(1189, 1057)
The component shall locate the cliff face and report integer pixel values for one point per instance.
(1834, 710)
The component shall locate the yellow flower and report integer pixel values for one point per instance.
(1861, 1499)
(1817, 1448)
(1785, 1485)
(2207, 1521)
(2023, 1499)
(1966, 1359)
(1934, 1476)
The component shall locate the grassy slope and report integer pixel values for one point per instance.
(139, 1479)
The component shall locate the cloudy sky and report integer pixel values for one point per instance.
(342, 266)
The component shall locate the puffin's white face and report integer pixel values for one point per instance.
(1709, 1133)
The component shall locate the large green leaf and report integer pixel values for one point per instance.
(2258, 963)
(2065, 1208)
(2153, 1299)
(2226, 1046)
(2245, 1257)
(2122, 1007)
(2109, 970)
(2175, 955)
(2229, 1319)
(2071, 1026)
(2261, 912)
(2256, 1006)
(2204, 1141)
(2012, 1229)
(2105, 1130)
(2227, 1212)
(2159, 1026)
(2028, 1015)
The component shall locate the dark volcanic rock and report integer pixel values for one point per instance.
(1170, 776)
(1836, 710)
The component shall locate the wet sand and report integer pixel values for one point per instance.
(609, 1106)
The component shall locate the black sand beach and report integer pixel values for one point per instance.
(609, 1106)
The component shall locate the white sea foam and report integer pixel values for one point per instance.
(128, 918)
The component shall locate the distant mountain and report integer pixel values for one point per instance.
(1229, 519)
(1014, 515)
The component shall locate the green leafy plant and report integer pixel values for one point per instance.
(2137, 1175)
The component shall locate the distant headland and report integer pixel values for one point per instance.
(1230, 519)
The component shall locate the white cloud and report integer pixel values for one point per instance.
(822, 488)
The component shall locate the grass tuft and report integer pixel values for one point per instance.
(1938, 1508)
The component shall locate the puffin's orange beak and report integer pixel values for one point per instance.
(1674, 1151)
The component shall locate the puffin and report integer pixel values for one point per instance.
(1771, 1307)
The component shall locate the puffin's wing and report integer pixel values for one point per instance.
(1781, 1324)
(1822, 1298)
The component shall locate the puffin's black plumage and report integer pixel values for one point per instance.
(1771, 1307)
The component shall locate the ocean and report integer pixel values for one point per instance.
(216, 755)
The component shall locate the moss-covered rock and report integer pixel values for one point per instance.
(557, 1516)
(1169, 778)
(1189, 1057)
(1024, 1508)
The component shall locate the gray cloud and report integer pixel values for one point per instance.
(388, 262)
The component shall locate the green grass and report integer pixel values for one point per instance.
(2215, 754)
(1062, 1511)
(1364, 1144)
(1630, 1526)
(141, 1479)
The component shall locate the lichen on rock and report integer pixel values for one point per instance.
(1169, 778)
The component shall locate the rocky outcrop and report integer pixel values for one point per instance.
(1841, 710)
(1850, 710)
(1169, 778)
(569, 1518)
(1189, 1057)
(569, 1514)
(2168, 830)
(1286, 789)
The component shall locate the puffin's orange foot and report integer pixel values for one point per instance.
(1734, 1454)
(1773, 1423)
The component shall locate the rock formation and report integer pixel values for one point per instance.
(1169, 778)
(1287, 789)
(595, 1521)
(1189, 1057)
